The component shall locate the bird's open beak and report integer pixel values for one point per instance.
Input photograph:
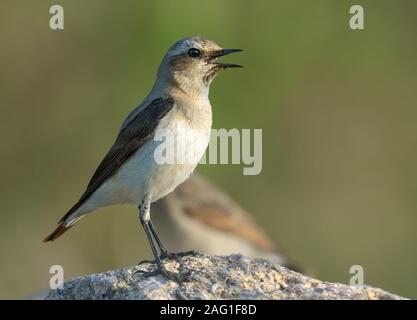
(220, 53)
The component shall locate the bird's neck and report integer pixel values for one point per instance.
(182, 87)
(192, 104)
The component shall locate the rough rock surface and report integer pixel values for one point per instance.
(211, 277)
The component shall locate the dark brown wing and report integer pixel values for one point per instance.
(133, 136)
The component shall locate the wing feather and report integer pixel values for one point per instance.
(131, 138)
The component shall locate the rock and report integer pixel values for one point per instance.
(211, 277)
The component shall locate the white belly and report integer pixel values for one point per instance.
(189, 147)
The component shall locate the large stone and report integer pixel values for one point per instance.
(211, 277)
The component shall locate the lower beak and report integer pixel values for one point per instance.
(221, 53)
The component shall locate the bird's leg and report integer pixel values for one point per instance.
(158, 240)
(145, 220)
(164, 252)
(145, 217)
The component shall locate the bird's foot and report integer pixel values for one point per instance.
(175, 255)
(160, 270)
(146, 274)
(145, 261)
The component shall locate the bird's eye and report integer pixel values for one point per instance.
(193, 52)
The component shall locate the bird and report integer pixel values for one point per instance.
(178, 103)
(199, 216)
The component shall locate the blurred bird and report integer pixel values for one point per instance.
(199, 216)
(177, 103)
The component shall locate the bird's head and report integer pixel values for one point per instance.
(192, 63)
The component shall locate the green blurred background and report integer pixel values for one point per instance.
(337, 108)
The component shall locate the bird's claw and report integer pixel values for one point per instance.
(145, 261)
(175, 255)
(160, 270)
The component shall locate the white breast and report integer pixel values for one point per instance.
(186, 150)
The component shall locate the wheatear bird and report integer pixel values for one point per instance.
(199, 216)
(177, 103)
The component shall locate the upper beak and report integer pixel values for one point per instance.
(223, 52)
